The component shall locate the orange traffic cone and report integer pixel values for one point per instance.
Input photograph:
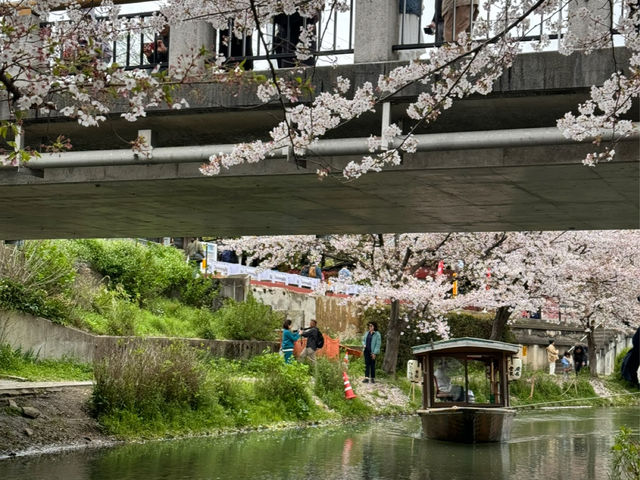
(348, 391)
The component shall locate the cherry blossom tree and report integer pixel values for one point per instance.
(64, 68)
(594, 274)
(502, 272)
(384, 266)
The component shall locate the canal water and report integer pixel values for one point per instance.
(560, 444)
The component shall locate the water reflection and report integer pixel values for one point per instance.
(544, 444)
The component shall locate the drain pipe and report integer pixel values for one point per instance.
(524, 137)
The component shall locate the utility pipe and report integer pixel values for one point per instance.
(522, 137)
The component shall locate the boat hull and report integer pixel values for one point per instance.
(467, 424)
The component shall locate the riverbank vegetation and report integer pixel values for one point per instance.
(122, 287)
(144, 390)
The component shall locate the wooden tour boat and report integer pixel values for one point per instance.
(465, 394)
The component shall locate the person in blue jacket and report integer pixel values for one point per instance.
(371, 342)
(288, 339)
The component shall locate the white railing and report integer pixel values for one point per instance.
(273, 276)
(225, 269)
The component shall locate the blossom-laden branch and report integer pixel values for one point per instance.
(53, 63)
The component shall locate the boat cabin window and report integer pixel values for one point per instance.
(471, 378)
(448, 379)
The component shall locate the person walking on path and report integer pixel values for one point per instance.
(311, 334)
(552, 356)
(194, 252)
(288, 339)
(371, 342)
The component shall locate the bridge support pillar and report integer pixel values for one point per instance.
(376, 30)
(188, 38)
(592, 26)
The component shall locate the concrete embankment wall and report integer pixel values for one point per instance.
(52, 341)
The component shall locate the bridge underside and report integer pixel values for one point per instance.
(534, 188)
(480, 189)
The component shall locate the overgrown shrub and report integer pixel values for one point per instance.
(16, 296)
(143, 271)
(119, 314)
(328, 376)
(626, 456)
(53, 265)
(285, 383)
(35, 279)
(617, 366)
(250, 320)
(145, 379)
(201, 292)
(38, 265)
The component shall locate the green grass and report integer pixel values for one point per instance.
(624, 396)
(553, 390)
(27, 365)
(161, 317)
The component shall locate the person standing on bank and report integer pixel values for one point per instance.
(311, 334)
(579, 358)
(288, 339)
(552, 356)
(371, 342)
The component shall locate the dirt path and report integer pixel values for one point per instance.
(61, 420)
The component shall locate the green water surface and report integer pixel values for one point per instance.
(546, 445)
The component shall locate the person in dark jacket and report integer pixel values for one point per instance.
(631, 361)
(579, 358)
(311, 334)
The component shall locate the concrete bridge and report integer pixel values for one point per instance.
(489, 163)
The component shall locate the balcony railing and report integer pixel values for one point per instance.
(416, 35)
(334, 45)
(336, 31)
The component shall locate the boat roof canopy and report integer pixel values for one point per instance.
(465, 345)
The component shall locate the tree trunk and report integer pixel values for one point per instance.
(500, 322)
(393, 339)
(591, 345)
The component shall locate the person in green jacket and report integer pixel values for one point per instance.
(288, 339)
(371, 342)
